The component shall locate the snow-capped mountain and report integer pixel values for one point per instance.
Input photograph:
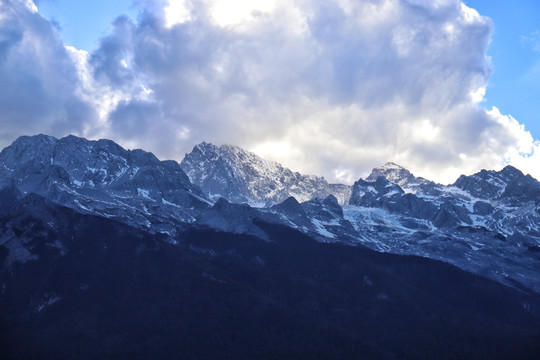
(102, 178)
(508, 186)
(482, 223)
(487, 223)
(94, 237)
(243, 177)
(398, 175)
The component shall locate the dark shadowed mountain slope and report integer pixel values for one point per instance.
(95, 288)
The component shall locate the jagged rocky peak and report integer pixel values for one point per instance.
(95, 164)
(289, 205)
(398, 175)
(204, 147)
(27, 148)
(243, 177)
(492, 217)
(102, 178)
(373, 193)
(99, 177)
(504, 184)
(231, 217)
(485, 184)
(330, 205)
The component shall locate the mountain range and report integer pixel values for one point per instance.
(91, 234)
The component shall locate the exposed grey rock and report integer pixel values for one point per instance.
(322, 219)
(398, 175)
(234, 218)
(481, 223)
(375, 193)
(450, 214)
(102, 178)
(509, 185)
(412, 205)
(243, 177)
(487, 223)
(482, 208)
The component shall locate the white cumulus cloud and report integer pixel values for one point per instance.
(330, 87)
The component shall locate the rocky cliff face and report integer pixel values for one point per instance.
(481, 223)
(102, 178)
(243, 177)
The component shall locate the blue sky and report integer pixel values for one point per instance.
(82, 22)
(327, 87)
(515, 51)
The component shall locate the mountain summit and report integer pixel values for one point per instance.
(101, 177)
(398, 175)
(241, 176)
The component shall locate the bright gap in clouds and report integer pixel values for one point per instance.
(176, 12)
(223, 12)
(331, 87)
(232, 12)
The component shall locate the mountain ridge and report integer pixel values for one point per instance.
(481, 223)
(101, 177)
(109, 253)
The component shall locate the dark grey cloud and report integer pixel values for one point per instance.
(38, 79)
(109, 63)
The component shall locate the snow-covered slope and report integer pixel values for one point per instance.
(243, 177)
(487, 223)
